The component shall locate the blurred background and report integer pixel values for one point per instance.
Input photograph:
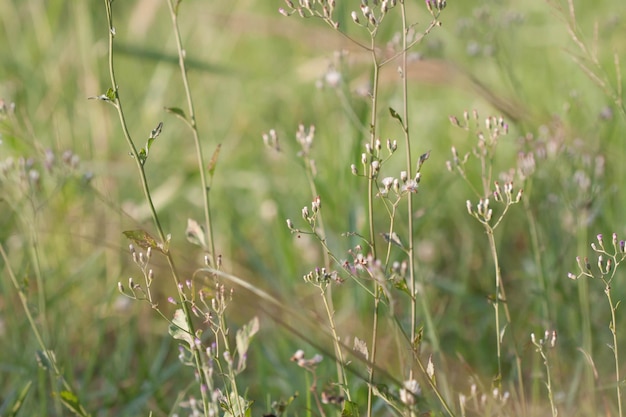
(75, 188)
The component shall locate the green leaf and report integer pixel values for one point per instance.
(143, 155)
(45, 359)
(179, 329)
(236, 406)
(110, 94)
(177, 112)
(244, 335)
(70, 401)
(395, 115)
(350, 409)
(400, 284)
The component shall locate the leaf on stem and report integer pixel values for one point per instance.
(143, 239)
(109, 96)
(179, 329)
(17, 404)
(176, 111)
(430, 368)
(195, 233)
(70, 400)
(350, 409)
(393, 238)
(244, 335)
(396, 116)
(213, 162)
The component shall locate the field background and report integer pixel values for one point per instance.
(252, 70)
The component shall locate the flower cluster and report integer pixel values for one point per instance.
(606, 262)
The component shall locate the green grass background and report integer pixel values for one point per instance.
(251, 70)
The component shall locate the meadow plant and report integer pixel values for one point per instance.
(606, 265)
(542, 346)
(215, 361)
(372, 266)
(392, 351)
(506, 196)
(27, 182)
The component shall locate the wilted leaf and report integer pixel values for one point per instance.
(361, 347)
(213, 162)
(423, 158)
(430, 368)
(143, 239)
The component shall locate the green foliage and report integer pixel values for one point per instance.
(72, 200)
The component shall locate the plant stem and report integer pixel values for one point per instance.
(194, 129)
(372, 240)
(199, 359)
(613, 327)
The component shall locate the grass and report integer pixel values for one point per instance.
(549, 73)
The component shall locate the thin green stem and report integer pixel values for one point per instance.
(199, 359)
(585, 312)
(500, 298)
(613, 327)
(341, 374)
(370, 204)
(496, 302)
(409, 168)
(194, 129)
(327, 295)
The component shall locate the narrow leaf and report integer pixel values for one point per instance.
(430, 368)
(15, 408)
(213, 162)
(156, 131)
(393, 238)
(45, 359)
(395, 115)
(177, 112)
